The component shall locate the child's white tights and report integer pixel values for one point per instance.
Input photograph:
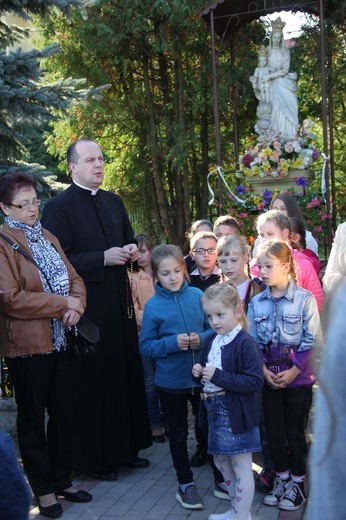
(237, 473)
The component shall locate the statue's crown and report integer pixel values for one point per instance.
(262, 51)
(278, 25)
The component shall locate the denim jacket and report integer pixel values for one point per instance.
(293, 320)
(290, 324)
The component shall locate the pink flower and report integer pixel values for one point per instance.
(313, 203)
(318, 228)
(288, 148)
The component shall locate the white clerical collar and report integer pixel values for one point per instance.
(93, 192)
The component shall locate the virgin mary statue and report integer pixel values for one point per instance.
(283, 84)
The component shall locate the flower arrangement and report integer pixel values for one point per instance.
(311, 204)
(274, 156)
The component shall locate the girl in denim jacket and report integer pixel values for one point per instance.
(284, 320)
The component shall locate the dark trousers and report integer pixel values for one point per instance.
(284, 414)
(45, 382)
(176, 411)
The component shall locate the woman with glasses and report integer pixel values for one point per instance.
(38, 299)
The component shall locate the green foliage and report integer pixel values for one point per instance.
(27, 103)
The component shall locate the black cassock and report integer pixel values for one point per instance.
(112, 422)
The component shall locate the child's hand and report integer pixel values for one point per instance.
(286, 377)
(197, 370)
(194, 340)
(271, 378)
(208, 373)
(183, 341)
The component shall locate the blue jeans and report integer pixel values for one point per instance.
(176, 411)
(153, 401)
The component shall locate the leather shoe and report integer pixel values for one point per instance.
(200, 458)
(108, 475)
(79, 496)
(137, 462)
(53, 511)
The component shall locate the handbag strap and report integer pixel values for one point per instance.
(18, 248)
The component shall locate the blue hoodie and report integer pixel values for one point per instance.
(166, 315)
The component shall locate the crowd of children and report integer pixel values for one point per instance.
(235, 338)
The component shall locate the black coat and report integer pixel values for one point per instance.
(112, 422)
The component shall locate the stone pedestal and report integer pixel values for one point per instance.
(260, 184)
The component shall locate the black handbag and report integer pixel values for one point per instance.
(81, 338)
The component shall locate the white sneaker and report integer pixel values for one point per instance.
(229, 515)
(223, 516)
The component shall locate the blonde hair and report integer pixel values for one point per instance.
(164, 251)
(280, 250)
(235, 244)
(228, 295)
(279, 219)
(199, 236)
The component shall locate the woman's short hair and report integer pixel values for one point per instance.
(11, 183)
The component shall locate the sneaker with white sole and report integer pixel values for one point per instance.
(229, 515)
(294, 496)
(276, 494)
(190, 499)
(223, 516)
(219, 492)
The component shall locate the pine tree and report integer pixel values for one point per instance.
(26, 102)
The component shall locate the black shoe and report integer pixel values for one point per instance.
(200, 458)
(137, 463)
(79, 496)
(53, 511)
(108, 475)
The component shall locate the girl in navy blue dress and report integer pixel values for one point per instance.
(230, 368)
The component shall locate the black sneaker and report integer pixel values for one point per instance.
(294, 496)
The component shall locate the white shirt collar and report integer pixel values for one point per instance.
(93, 192)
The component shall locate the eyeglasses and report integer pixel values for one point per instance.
(202, 251)
(26, 205)
(268, 268)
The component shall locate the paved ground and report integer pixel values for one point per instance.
(149, 494)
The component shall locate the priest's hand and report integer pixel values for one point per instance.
(117, 256)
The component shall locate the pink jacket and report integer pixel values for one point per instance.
(306, 275)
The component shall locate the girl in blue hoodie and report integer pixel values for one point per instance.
(173, 328)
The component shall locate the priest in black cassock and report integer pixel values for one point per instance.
(92, 225)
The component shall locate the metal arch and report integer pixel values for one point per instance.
(312, 6)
